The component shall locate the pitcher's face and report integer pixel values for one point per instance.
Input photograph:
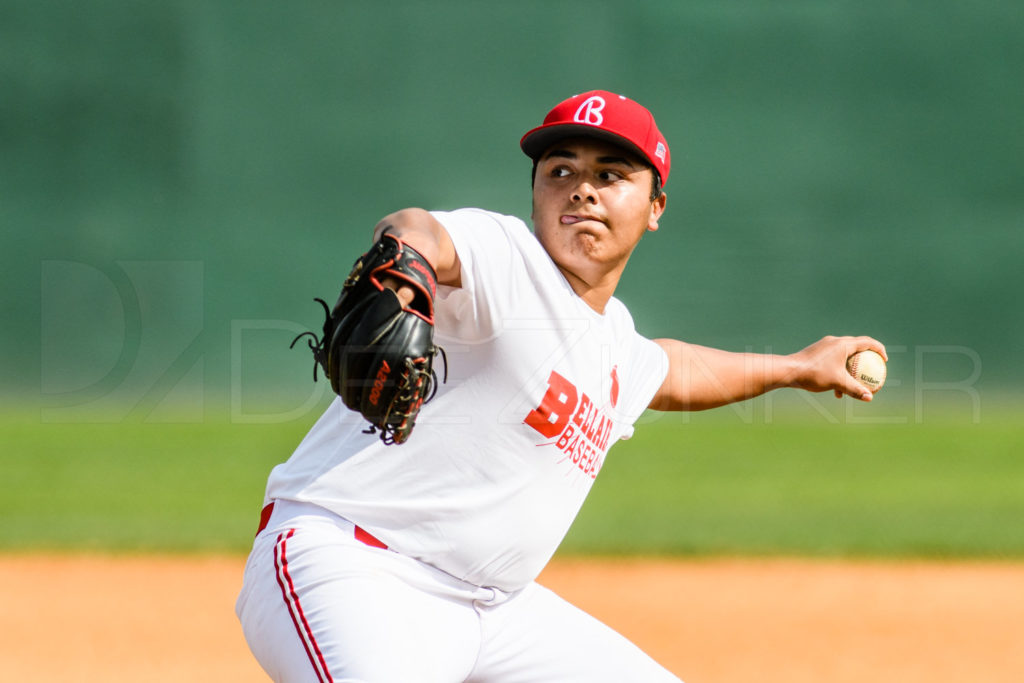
(592, 203)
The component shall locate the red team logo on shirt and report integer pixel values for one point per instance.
(615, 386)
(582, 428)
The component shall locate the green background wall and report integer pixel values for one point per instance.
(179, 179)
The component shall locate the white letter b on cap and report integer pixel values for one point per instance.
(590, 111)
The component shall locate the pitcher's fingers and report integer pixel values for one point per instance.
(852, 387)
(871, 344)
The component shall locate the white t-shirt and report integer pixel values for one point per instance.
(500, 461)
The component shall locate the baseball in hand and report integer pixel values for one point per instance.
(868, 368)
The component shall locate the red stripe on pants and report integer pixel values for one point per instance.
(291, 599)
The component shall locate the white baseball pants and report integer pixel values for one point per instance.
(319, 605)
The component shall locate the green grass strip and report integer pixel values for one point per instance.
(706, 487)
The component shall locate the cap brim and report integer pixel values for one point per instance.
(538, 140)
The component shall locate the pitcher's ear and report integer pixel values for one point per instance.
(657, 208)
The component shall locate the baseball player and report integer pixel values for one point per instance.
(398, 555)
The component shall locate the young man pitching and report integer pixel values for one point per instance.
(407, 552)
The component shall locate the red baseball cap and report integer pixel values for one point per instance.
(604, 115)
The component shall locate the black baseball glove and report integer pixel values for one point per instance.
(378, 354)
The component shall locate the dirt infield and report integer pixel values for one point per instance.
(87, 618)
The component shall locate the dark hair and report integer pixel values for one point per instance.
(656, 190)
